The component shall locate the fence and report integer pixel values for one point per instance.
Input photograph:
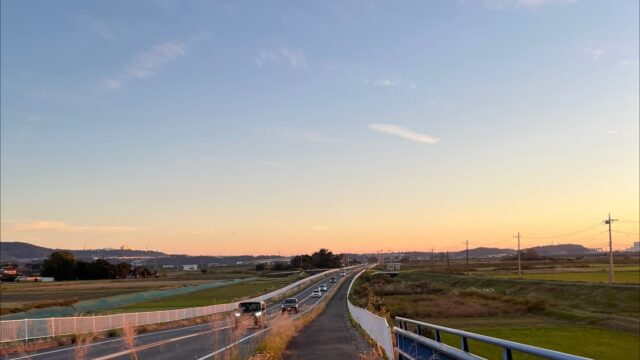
(26, 329)
(375, 326)
(413, 344)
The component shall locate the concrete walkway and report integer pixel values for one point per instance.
(330, 335)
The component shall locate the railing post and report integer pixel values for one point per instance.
(507, 354)
(465, 344)
(53, 327)
(93, 319)
(26, 330)
(418, 330)
(438, 339)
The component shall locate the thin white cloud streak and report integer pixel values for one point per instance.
(59, 226)
(103, 30)
(146, 63)
(595, 52)
(404, 133)
(531, 4)
(282, 56)
(390, 83)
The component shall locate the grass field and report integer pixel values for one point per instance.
(601, 276)
(590, 319)
(585, 341)
(15, 297)
(219, 295)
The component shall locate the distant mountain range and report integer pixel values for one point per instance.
(12, 251)
(22, 252)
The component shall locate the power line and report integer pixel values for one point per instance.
(565, 234)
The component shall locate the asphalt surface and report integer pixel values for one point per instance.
(330, 335)
(215, 340)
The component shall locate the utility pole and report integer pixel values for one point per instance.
(447, 260)
(608, 222)
(519, 265)
(432, 259)
(466, 242)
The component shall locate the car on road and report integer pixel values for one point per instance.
(251, 313)
(290, 305)
(316, 293)
(323, 287)
(344, 273)
(333, 280)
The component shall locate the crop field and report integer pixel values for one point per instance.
(601, 276)
(596, 320)
(16, 297)
(221, 295)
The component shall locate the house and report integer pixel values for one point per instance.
(192, 267)
(393, 266)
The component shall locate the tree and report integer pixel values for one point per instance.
(301, 262)
(260, 267)
(281, 266)
(60, 265)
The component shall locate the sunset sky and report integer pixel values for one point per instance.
(258, 127)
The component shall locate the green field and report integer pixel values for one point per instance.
(213, 296)
(588, 319)
(585, 341)
(621, 277)
(17, 297)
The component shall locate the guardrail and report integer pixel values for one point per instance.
(413, 344)
(27, 329)
(375, 326)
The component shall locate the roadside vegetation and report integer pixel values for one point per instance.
(569, 317)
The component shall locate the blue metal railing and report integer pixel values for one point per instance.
(413, 344)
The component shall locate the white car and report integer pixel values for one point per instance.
(316, 293)
(323, 287)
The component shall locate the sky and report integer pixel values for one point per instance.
(258, 127)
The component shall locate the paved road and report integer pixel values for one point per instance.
(330, 335)
(214, 340)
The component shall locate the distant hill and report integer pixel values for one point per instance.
(10, 251)
(21, 252)
(561, 249)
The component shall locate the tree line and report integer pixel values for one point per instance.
(62, 265)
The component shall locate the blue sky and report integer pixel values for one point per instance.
(154, 123)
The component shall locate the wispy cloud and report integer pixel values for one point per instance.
(59, 226)
(282, 56)
(595, 52)
(100, 28)
(402, 132)
(629, 62)
(390, 83)
(146, 63)
(506, 4)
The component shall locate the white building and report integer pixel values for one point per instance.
(191, 267)
(393, 266)
(635, 247)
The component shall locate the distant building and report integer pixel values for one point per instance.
(192, 267)
(635, 247)
(168, 266)
(393, 266)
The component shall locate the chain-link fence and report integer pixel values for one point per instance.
(25, 329)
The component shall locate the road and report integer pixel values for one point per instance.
(330, 335)
(214, 340)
